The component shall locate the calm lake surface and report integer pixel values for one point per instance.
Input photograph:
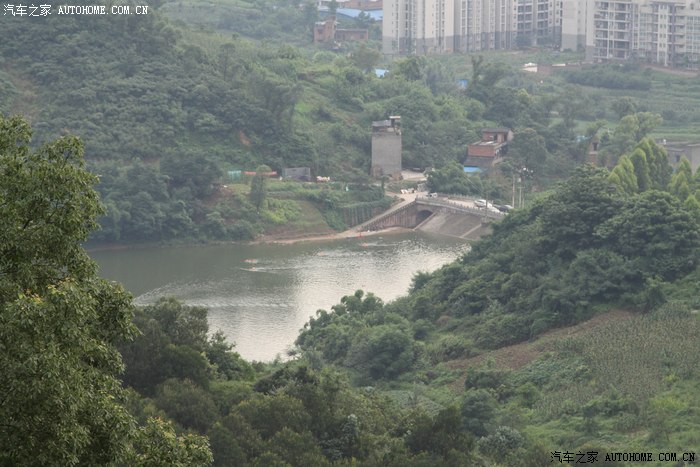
(261, 295)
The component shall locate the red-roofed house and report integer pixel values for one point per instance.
(489, 150)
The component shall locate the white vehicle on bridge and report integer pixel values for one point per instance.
(485, 205)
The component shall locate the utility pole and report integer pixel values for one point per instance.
(520, 200)
(521, 172)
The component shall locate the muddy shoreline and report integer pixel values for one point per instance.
(263, 240)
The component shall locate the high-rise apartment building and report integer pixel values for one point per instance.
(418, 27)
(577, 24)
(483, 25)
(439, 26)
(613, 29)
(537, 22)
(665, 32)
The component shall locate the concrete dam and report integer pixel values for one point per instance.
(437, 215)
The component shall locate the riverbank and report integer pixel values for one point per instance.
(282, 236)
(262, 240)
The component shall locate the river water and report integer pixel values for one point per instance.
(261, 295)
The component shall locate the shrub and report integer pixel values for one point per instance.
(486, 377)
(501, 444)
(450, 347)
(383, 351)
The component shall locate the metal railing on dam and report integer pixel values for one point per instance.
(457, 206)
(408, 214)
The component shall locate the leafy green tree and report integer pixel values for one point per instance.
(258, 187)
(692, 205)
(187, 404)
(183, 324)
(410, 68)
(641, 170)
(172, 344)
(383, 351)
(501, 444)
(270, 414)
(439, 435)
(310, 13)
(575, 209)
(62, 402)
(655, 233)
(682, 180)
(297, 448)
(623, 175)
(193, 171)
(439, 77)
(452, 179)
(365, 58)
(478, 408)
(229, 364)
(528, 149)
(225, 447)
(484, 78)
(662, 409)
(624, 106)
(248, 439)
(657, 160)
(158, 445)
(630, 131)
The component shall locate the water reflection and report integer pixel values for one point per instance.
(261, 295)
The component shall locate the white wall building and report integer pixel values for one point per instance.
(443, 26)
(664, 32)
(483, 25)
(418, 27)
(577, 25)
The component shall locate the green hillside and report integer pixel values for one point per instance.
(473, 367)
(496, 332)
(166, 110)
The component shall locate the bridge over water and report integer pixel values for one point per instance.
(454, 217)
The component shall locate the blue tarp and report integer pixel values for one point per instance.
(380, 72)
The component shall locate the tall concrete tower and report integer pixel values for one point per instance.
(386, 148)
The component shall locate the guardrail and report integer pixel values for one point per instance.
(459, 207)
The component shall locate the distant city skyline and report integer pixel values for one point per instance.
(664, 32)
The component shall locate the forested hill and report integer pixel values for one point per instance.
(133, 86)
(165, 111)
(391, 384)
(586, 246)
(484, 325)
(143, 98)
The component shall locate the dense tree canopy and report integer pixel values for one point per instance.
(165, 114)
(585, 243)
(59, 323)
